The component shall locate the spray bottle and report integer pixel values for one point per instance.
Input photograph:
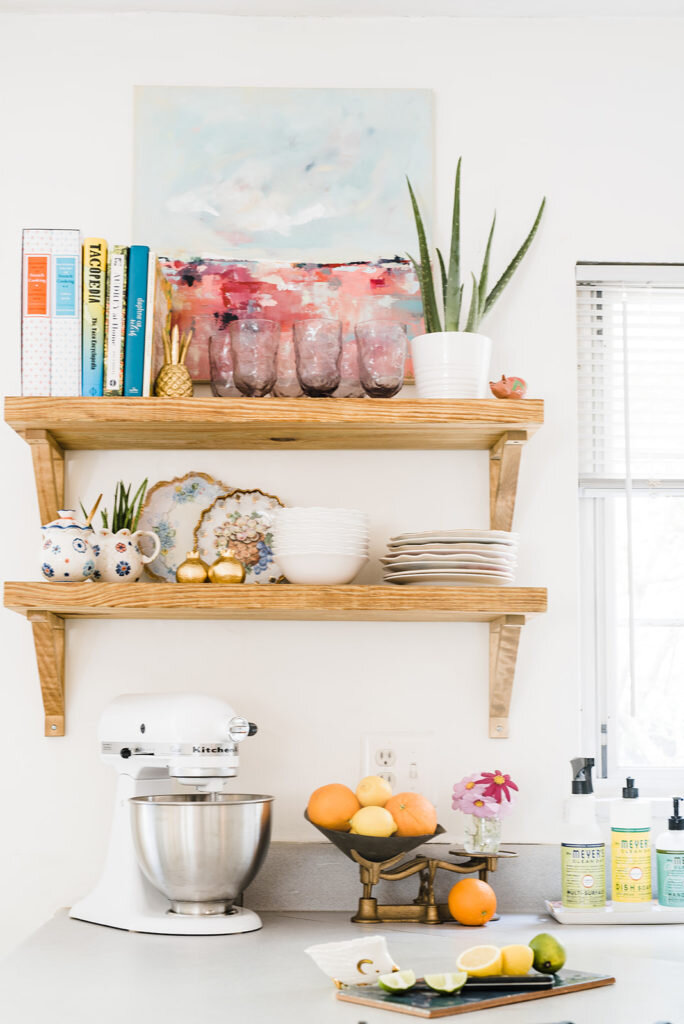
(583, 851)
(630, 828)
(670, 860)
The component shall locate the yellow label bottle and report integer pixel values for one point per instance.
(630, 828)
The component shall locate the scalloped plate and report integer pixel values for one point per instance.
(242, 521)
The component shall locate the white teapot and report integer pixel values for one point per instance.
(67, 554)
(118, 558)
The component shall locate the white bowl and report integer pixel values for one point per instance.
(320, 549)
(321, 569)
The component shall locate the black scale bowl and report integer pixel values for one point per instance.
(374, 848)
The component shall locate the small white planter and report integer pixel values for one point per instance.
(451, 364)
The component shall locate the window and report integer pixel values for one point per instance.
(631, 493)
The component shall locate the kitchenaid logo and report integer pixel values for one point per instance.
(213, 750)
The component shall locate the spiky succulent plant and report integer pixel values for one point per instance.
(481, 300)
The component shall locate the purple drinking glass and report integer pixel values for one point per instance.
(221, 366)
(318, 344)
(254, 346)
(382, 356)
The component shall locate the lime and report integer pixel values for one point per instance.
(397, 981)
(446, 982)
(549, 955)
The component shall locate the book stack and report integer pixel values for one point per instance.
(88, 315)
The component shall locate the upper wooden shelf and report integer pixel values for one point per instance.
(282, 601)
(306, 423)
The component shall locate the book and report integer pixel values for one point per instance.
(115, 320)
(136, 317)
(94, 293)
(152, 271)
(36, 280)
(65, 313)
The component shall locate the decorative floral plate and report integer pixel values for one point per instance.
(242, 521)
(171, 510)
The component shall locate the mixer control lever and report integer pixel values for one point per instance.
(253, 729)
(125, 752)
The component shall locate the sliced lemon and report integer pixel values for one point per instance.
(480, 961)
(397, 981)
(446, 982)
(516, 960)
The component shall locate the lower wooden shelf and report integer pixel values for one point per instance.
(46, 605)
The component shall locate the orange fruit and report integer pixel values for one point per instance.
(413, 813)
(472, 901)
(332, 806)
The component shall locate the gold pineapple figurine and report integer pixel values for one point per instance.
(174, 380)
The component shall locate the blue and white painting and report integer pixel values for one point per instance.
(301, 174)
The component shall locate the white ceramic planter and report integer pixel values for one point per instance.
(451, 364)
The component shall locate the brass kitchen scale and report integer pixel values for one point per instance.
(382, 859)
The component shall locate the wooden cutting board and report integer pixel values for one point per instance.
(426, 1003)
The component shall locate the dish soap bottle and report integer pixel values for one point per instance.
(630, 827)
(670, 860)
(583, 851)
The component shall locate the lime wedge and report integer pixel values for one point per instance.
(446, 982)
(397, 981)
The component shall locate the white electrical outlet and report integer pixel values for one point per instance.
(403, 759)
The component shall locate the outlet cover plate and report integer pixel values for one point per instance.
(404, 759)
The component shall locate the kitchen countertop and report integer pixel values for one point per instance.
(70, 971)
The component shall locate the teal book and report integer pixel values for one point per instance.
(136, 316)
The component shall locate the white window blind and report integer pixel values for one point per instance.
(631, 477)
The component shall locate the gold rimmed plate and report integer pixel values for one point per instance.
(243, 521)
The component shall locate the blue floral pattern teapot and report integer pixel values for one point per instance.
(67, 554)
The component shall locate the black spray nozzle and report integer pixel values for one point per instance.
(629, 792)
(676, 822)
(581, 775)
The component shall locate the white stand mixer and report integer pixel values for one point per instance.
(177, 861)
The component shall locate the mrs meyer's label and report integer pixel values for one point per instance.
(631, 856)
(583, 871)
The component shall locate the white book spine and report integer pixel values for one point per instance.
(35, 321)
(149, 323)
(65, 310)
(116, 326)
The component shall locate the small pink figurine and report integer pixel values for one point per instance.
(509, 387)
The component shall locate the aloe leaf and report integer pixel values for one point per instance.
(427, 287)
(442, 270)
(482, 288)
(514, 264)
(138, 498)
(452, 312)
(473, 320)
(105, 517)
(430, 314)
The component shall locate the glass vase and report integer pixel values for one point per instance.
(482, 835)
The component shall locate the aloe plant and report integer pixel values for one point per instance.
(126, 513)
(452, 287)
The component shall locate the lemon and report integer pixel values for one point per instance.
(397, 981)
(373, 821)
(373, 791)
(480, 961)
(446, 982)
(549, 955)
(516, 959)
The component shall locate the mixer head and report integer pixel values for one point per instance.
(190, 737)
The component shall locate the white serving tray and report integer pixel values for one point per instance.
(652, 913)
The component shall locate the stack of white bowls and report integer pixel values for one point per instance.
(321, 545)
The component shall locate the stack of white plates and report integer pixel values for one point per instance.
(321, 545)
(483, 558)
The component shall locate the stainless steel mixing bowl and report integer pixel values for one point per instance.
(201, 850)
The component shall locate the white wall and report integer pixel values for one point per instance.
(587, 113)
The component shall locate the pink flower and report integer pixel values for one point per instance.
(481, 806)
(497, 785)
(462, 789)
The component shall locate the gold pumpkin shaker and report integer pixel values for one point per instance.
(227, 569)
(193, 569)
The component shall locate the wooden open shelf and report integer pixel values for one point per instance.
(52, 426)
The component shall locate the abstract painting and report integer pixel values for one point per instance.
(208, 294)
(290, 174)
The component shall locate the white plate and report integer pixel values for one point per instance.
(502, 551)
(428, 578)
(651, 914)
(171, 510)
(463, 567)
(445, 538)
(242, 521)
(505, 536)
(456, 559)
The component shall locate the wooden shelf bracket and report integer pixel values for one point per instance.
(504, 466)
(48, 469)
(504, 637)
(48, 639)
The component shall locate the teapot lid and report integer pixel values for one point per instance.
(66, 520)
